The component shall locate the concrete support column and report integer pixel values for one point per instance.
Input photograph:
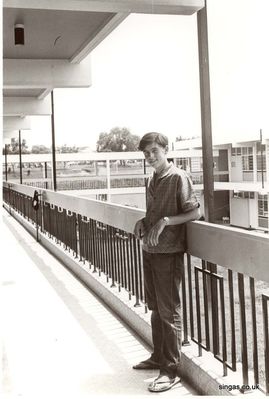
(20, 157)
(53, 148)
(6, 161)
(108, 180)
(206, 114)
(262, 163)
(255, 168)
(208, 176)
(267, 160)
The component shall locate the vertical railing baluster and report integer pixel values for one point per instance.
(254, 330)
(232, 318)
(206, 310)
(94, 246)
(198, 312)
(114, 264)
(140, 270)
(136, 272)
(190, 295)
(81, 238)
(265, 302)
(112, 270)
(106, 252)
(86, 227)
(185, 341)
(124, 260)
(243, 328)
(118, 263)
(223, 324)
(75, 233)
(99, 262)
(213, 308)
(129, 266)
(90, 242)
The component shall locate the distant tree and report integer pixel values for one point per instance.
(13, 147)
(182, 138)
(40, 149)
(117, 140)
(65, 149)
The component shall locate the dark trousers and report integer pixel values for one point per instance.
(162, 279)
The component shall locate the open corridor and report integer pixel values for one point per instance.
(58, 339)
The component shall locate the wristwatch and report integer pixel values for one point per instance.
(166, 219)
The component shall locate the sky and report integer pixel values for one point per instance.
(145, 76)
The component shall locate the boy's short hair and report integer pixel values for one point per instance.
(153, 137)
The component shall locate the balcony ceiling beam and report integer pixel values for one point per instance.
(102, 33)
(43, 74)
(179, 7)
(22, 106)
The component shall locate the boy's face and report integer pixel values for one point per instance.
(155, 155)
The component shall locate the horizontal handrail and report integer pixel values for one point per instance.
(101, 156)
(119, 216)
(236, 249)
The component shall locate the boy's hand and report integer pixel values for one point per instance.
(154, 233)
(139, 230)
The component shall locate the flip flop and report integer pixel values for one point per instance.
(163, 383)
(147, 365)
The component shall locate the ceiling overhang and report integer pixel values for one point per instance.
(32, 74)
(59, 35)
(179, 7)
(20, 106)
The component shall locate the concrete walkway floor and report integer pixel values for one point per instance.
(58, 340)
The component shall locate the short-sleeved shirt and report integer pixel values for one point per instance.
(169, 194)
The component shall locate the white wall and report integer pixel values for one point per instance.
(236, 171)
(253, 211)
(239, 212)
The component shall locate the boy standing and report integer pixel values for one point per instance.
(170, 204)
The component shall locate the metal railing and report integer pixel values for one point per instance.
(97, 183)
(225, 312)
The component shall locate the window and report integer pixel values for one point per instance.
(261, 162)
(263, 205)
(247, 159)
(182, 163)
(243, 194)
(247, 162)
(196, 164)
(236, 151)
